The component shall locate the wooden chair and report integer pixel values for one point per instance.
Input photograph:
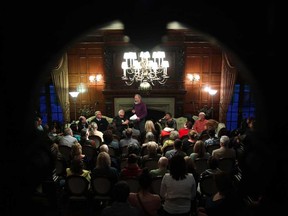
(207, 186)
(77, 188)
(97, 140)
(201, 164)
(150, 163)
(211, 148)
(133, 183)
(227, 164)
(156, 185)
(101, 189)
(90, 153)
(66, 153)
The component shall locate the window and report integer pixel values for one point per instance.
(241, 107)
(49, 108)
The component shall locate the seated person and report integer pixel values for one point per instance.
(121, 122)
(162, 167)
(132, 169)
(168, 118)
(100, 121)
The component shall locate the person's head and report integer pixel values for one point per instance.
(199, 148)
(201, 115)
(68, 131)
(224, 141)
(190, 165)
(84, 133)
(132, 159)
(104, 148)
(212, 163)
(98, 114)
(188, 125)
(178, 144)
(128, 132)
(108, 136)
(174, 135)
(168, 116)
(192, 134)
(177, 167)
(121, 113)
(103, 160)
(163, 162)
(149, 136)
(76, 150)
(82, 119)
(93, 126)
(120, 191)
(137, 98)
(149, 126)
(152, 147)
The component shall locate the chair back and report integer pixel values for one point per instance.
(133, 183)
(226, 164)
(156, 185)
(60, 167)
(101, 187)
(151, 163)
(211, 148)
(201, 164)
(90, 153)
(97, 139)
(77, 185)
(207, 185)
(66, 153)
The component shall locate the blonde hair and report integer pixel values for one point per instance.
(103, 160)
(149, 126)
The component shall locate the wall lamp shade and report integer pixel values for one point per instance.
(145, 69)
(74, 94)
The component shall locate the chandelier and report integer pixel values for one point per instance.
(145, 70)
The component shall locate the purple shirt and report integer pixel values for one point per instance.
(140, 110)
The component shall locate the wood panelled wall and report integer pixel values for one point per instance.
(187, 52)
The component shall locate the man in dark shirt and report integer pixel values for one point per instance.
(101, 122)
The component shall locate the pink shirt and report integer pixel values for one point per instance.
(199, 125)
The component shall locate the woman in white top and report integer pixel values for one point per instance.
(178, 188)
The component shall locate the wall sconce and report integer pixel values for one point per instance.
(96, 78)
(193, 77)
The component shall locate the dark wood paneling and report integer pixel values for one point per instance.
(91, 58)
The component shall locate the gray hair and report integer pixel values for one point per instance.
(225, 140)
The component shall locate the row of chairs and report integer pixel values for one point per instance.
(78, 187)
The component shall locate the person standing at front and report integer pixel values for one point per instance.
(140, 109)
